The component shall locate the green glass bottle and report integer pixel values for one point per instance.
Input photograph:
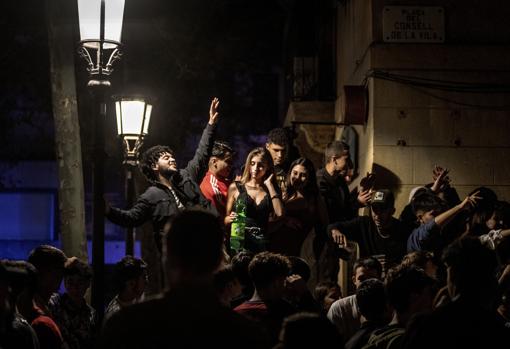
(238, 226)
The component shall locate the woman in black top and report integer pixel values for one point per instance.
(257, 189)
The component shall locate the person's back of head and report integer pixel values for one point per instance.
(50, 264)
(226, 285)
(409, 289)
(46, 256)
(422, 259)
(269, 269)
(240, 262)
(194, 244)
(471, 269)
(149, 158)
(371, 300)
(308, 330)
(22, 277)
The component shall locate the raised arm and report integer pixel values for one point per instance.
(448, 215)
(197, 166)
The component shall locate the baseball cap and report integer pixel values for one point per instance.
(383, 198)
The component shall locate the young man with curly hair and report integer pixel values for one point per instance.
(172, 190)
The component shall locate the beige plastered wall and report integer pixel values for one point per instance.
(473, 141)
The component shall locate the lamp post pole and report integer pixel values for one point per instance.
(130, 196)
(133, 116)
(98, 208)
(100, 48)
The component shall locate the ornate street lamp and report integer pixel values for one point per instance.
(133, 117)
(100, 31)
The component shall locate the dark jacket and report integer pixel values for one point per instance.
(341, 205)
(158, 204)
(364, 231)
(181, 318)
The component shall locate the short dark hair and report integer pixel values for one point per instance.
(128, 268)
(46, 256)
(221, 149)
(78, 268)
(473, 264)
(195, 241)
(240, 263)
(426, 202)
(419, 258)
(278, 136)
(488, 199)
(150, 157)
(404, 280)
(266, 267)
(371, 298)
(368, 263)
(20, 274)
(335, 148)
(223, 277)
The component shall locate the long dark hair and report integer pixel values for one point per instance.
(310, 190)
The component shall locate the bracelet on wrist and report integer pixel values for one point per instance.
(275, 196)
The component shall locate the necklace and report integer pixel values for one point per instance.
(252, 186)
(384, 236)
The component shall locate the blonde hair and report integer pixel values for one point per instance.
(266, 158)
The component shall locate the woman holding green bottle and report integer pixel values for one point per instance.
(261, 200)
